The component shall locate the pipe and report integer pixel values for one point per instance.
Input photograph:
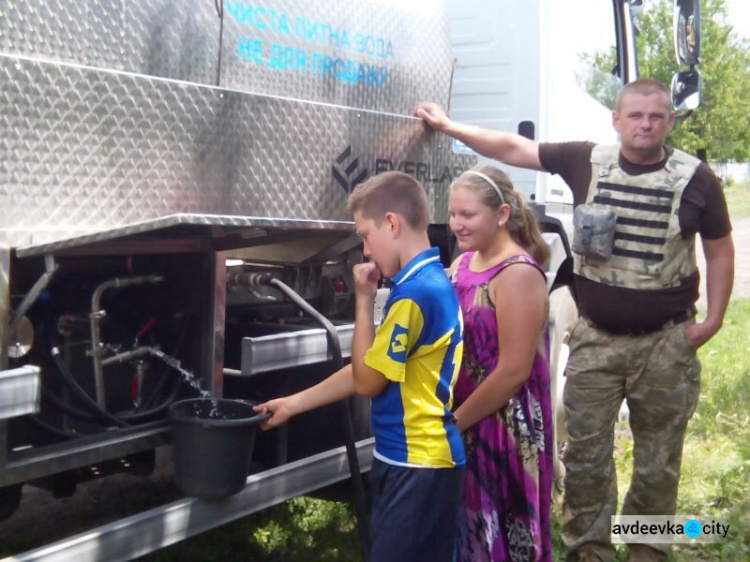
(81, 395)
(93, 406)
(97, 314)
(336, 357)
(132, 354)
(36, 290)
(148, 410)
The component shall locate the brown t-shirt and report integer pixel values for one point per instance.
(703, 209)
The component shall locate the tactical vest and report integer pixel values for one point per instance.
(649, 251)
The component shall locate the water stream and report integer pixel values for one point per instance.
(186, 375)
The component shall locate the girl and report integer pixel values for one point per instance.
(502, 396)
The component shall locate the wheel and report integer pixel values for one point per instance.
(562, 316)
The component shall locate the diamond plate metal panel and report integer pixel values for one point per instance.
(171, 38)
(372, 55)
(54, 29)
(86, 150)
(386, 57)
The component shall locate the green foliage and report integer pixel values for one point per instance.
(598, 82)
(738, 199)
(721, 125)
(302, 529)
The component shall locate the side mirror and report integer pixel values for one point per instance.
(686, 90)
(687, 31)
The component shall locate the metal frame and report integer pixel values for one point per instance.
(20, 390)
(29, 464)
(157, 528)
(197, 234)
(291, 349)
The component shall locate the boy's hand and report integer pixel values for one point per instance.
(280, 409)
(366, 278)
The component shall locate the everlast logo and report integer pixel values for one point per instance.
(346, 174)
(423, 172)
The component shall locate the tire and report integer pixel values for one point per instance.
(562, 316)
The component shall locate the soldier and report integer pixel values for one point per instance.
(638, 205)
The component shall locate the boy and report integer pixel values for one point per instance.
(408, 366)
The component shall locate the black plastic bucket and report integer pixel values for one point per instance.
(213, 444)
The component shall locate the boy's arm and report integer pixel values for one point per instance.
(367, 381)
(338, 386)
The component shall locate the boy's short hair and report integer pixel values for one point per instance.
(391, 192)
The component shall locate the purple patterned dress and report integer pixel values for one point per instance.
(508, 486)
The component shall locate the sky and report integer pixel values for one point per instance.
(739, 13)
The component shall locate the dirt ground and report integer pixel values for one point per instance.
(740, 235)
(42, 519)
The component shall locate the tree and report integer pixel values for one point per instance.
(595, 76)
(721, 125)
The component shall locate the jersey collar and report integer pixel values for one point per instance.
(419, 261)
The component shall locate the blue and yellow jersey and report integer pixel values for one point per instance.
(418, 348)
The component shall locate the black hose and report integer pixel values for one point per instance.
(351, 450)
(96, 412)
(67, 408)
(47, 428)
(90, 415)
(168, 400)
(81, 394)
(177, 384)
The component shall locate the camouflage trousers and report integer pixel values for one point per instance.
(659, 376)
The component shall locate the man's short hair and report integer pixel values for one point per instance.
(645, 87)
(391, 192)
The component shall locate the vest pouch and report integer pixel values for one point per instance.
(593, 231)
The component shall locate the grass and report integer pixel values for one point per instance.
(303, 529)
(738, 199)
(716, 460)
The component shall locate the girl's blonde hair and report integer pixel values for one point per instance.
(523, 224)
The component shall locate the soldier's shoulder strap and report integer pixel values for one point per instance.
(682, 163)
(605, 154)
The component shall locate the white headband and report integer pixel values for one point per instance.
(488, 179)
